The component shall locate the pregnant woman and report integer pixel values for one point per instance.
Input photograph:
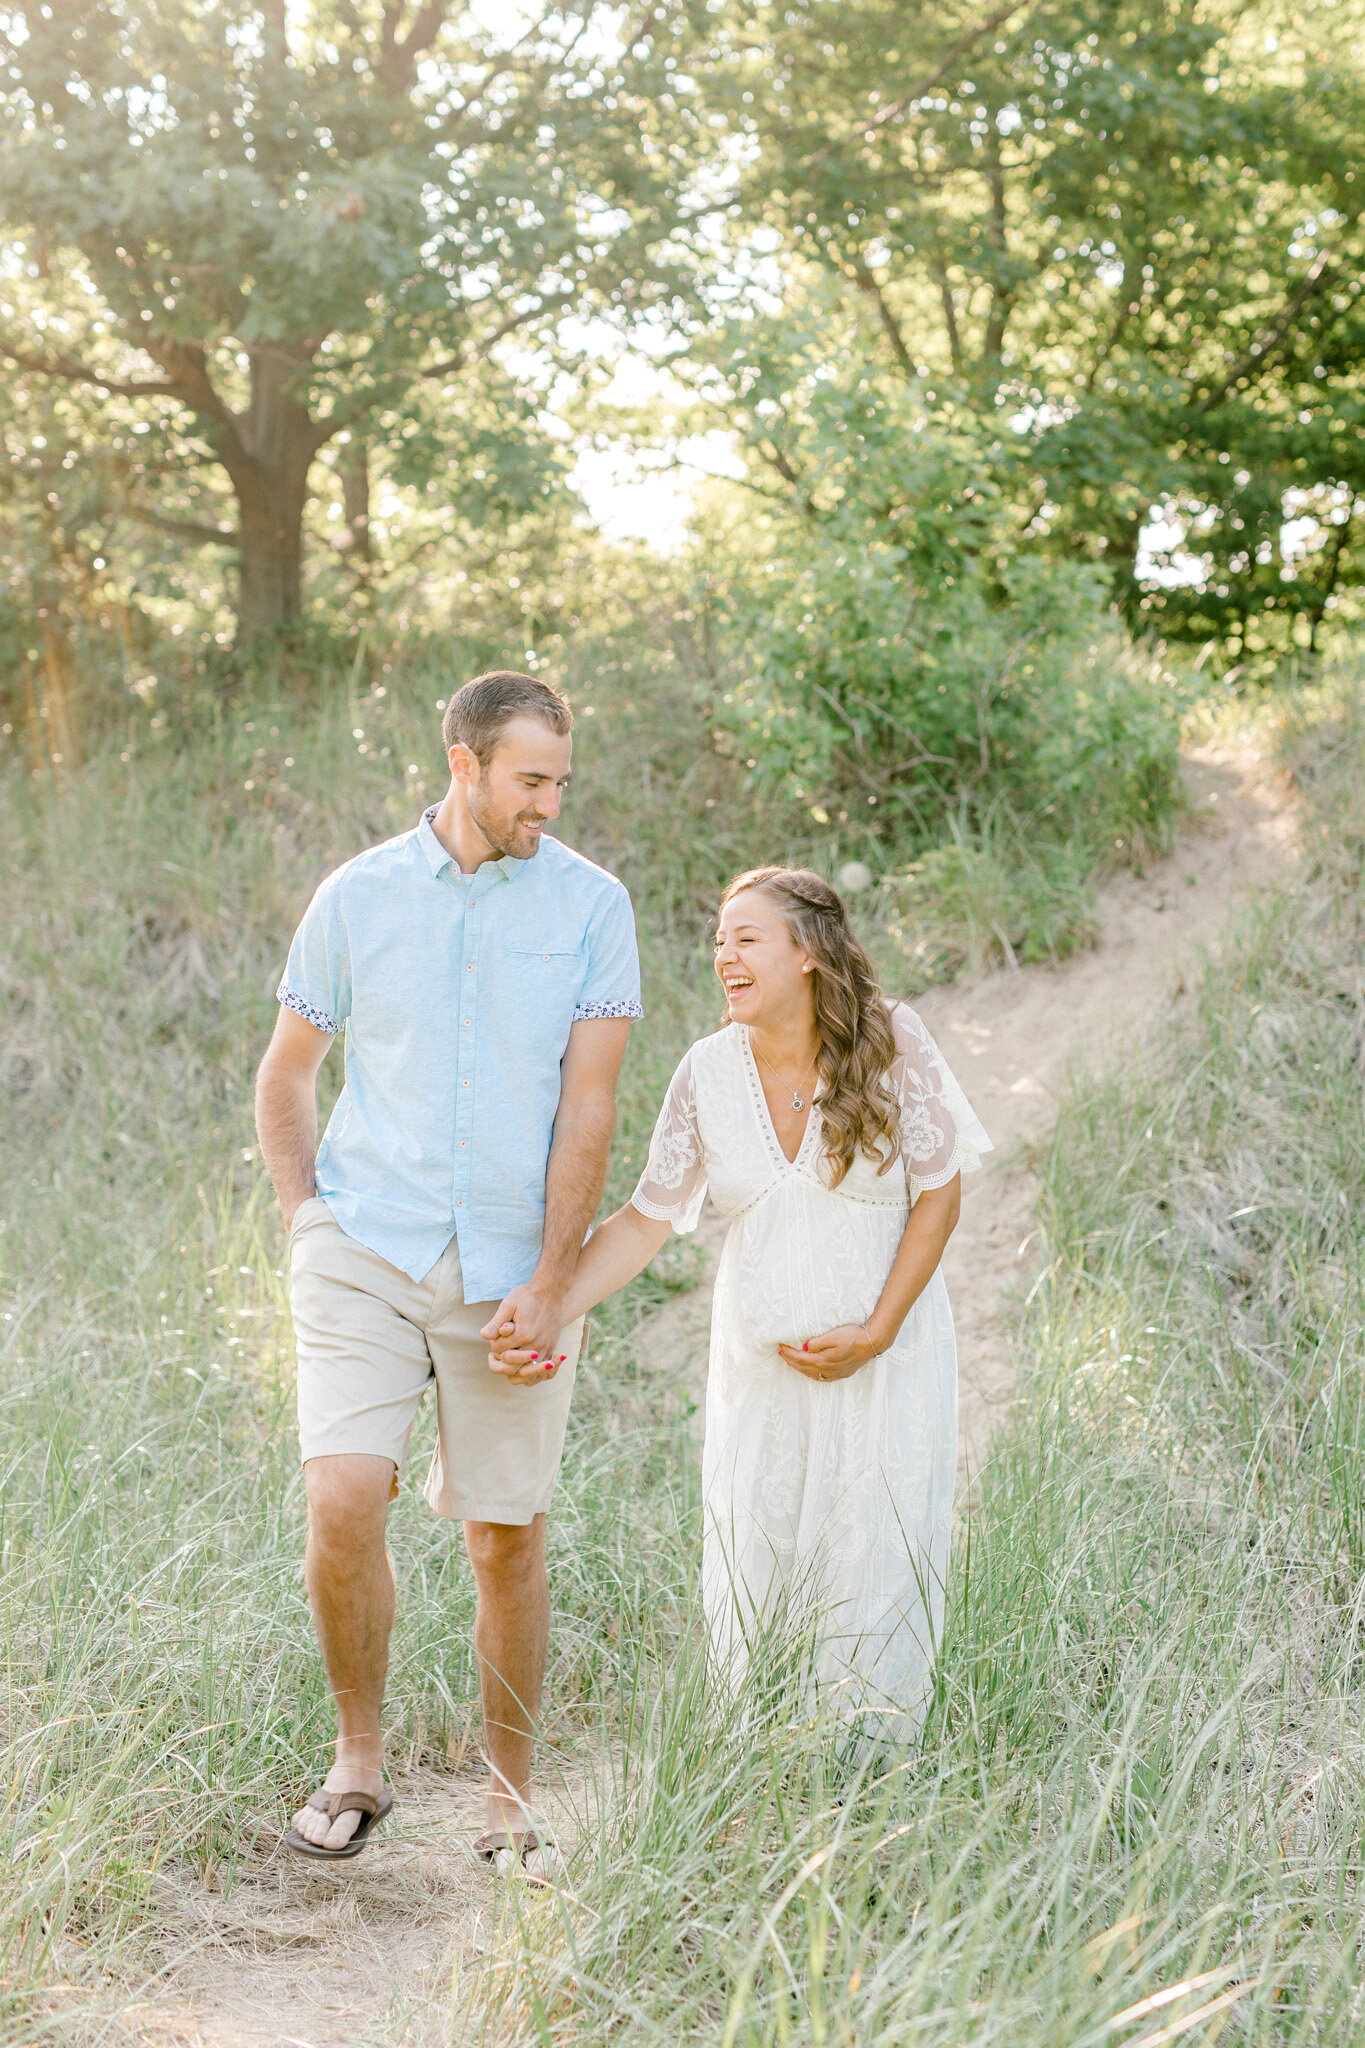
(829, 1130)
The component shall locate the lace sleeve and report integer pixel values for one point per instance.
(673, 1185)
(941, 1134)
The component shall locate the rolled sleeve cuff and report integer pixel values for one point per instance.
(588, 1010)
(309, 1012)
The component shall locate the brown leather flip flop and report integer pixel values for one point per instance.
(334, 1804)
(496, 1844)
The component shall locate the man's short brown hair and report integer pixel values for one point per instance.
(477, 713)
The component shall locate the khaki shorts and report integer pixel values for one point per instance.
(370, 1343)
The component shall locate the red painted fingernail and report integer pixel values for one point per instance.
(561, 1358)
(535, 1358)
(805, 1347)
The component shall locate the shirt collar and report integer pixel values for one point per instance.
(438, 860)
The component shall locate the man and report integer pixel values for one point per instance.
(484, 977)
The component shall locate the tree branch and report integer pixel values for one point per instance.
(450, 365)
(60, 365)
(1340, 536)
(184, 529)
(1002, 298)
(510, 326)
(186, 364)
(782, 464)
(867, 283)
(398, 57)
(949, 317)
(1258, 355)
(959, 49)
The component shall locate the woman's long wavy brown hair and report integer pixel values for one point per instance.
(857, 1045)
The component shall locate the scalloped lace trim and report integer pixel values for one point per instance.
(964, 1160)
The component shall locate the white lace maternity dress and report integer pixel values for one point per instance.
(836, 1497)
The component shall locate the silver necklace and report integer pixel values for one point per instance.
(798, 1100)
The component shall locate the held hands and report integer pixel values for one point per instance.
(835, 1355)
(524, 1338)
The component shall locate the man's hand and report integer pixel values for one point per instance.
(524, 1337)
(835, 1355)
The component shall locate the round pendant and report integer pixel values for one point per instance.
(797, 1103)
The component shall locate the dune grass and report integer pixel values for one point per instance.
(1142, 1763)
(1136, 1814)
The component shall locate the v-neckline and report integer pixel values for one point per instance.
(765, 1113)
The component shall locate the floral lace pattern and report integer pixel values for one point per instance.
(837, 1495)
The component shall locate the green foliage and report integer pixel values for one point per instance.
(1124, 240)
(267, 230)
(994, 893)
(905, 662)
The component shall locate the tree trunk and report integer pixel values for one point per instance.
(276, 441)
(356, 548)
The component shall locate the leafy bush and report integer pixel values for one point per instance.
(901, 663)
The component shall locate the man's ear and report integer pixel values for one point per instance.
(464, 763)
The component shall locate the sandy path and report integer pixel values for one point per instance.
(1011, 1039)
(378, 1952)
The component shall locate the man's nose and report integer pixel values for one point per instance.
(548, 802)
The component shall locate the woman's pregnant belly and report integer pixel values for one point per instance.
(802, 1262)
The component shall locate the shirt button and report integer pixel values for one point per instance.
(469, 965)
(463, 1143)
(466, 1020)
(464, 1084)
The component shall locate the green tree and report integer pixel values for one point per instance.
(266, 228)
(1124, 236)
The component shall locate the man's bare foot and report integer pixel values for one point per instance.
(359, 1768)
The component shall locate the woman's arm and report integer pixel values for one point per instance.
(613, 1255)
(838, 1353)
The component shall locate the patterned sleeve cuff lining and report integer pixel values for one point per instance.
(585, 1011)
(319, 1019)
(657, 1210)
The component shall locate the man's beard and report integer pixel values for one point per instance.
(504, 835)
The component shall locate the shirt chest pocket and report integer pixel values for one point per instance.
(550, 974)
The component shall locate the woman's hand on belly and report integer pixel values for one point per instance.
(835, 1355)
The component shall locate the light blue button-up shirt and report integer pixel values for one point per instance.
(456, 994)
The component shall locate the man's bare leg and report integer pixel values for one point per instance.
(351, 1591)
(511, 1635)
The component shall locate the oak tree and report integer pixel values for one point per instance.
(273, 227)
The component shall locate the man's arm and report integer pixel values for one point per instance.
(287, 1108)
(531, 1317)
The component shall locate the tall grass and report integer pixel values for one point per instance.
(1137, 1813)
(1086, 1767)
(160, 1692)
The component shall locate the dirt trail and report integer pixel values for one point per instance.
(364, 1955)
(1011, 1038)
